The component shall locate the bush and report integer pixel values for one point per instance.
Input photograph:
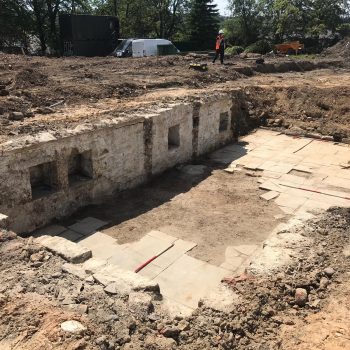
(344, 29)
(234, 50)
(260, 46)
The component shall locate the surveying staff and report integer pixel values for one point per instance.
(220, 47)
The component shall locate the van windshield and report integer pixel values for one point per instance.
(123, 45)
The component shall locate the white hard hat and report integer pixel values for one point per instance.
(221, 31)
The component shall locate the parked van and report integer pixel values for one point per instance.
(145, 48)
(124, 48)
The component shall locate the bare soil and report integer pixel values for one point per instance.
(36, 297)
(58, 93)
(214, 210)
(316, 102)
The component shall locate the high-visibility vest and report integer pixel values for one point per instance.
(218, 43)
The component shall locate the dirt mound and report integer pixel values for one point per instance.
(341, 49)
(275, 312)
(272, 309)
(29, 77)
(307, 109)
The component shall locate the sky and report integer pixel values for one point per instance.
(222, 4)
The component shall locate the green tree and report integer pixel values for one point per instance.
(327, 15)
(246, 15)
(203, 24)
(15, 22)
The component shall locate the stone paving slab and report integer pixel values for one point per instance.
(271, 185)
(223, 157)
(180, 248)
(270, 195)
(293, 202)
(101, 245)
(337, 182)
(87, 226)
(71, 235)
(149, 246)
(51, 230)
(188, 280)
(291, 179)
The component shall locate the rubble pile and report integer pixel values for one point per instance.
(44, 307)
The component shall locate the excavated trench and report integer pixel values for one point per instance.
(47, 177)
(158, 172)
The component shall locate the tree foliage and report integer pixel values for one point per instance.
(195, 22)
(279, 20)
(203, 24)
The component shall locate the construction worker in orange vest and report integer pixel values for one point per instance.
(220, 47)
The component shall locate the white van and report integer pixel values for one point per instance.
(152, 47)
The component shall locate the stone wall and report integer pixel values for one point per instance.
(48, 178)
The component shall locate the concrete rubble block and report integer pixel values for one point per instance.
(174, 308)
(93, 265)
(285, 239)
(111, 274)
(73, 327)
(45, 137)
(67, 250)
(141, 302)
(346, 251)
(270, 260)
(159, 342)
(77, 308)
(118, 288)
(75, 270)
(221, 299)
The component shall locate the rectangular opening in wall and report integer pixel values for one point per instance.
(195, 122)
(79, 166)
(223, 126)
(174, 137)
(43, 179)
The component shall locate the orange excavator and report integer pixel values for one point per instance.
(290, 48)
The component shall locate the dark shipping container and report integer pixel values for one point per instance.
(88, 35)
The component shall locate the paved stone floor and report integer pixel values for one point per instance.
(299, 174)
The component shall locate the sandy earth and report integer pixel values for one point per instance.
(215, 210)
(36, 296)
(87, 89)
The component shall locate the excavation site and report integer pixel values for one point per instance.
(148, 205)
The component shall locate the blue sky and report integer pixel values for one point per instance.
(222, 4)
